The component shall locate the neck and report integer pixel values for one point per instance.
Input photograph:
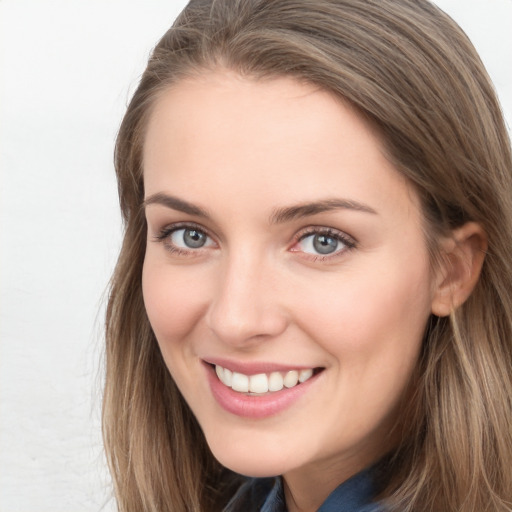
(305, 491)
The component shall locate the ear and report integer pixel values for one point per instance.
(462, 257)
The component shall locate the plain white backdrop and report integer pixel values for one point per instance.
(67, 69)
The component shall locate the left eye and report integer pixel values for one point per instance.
(190, 238)
(321, 244)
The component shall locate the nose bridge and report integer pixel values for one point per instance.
(246, 303)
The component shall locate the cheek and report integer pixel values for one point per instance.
(172, 301)
(370, 316)
(372, 328)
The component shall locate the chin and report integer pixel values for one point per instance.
(251, 460)
(257, 468)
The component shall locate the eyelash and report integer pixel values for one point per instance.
(341, 237)
(166, 232)
(349, 242)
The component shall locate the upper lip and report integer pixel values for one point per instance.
(255, 367)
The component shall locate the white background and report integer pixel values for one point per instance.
(67, 68)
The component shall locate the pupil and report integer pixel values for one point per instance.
(194, 238)
(325, 244)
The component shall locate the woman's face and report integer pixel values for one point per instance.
(282, 245)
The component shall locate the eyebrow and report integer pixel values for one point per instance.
(290, 213)
(279, 215)
(175, 204)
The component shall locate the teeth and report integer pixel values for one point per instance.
(240, 382)
(228, 377)
(304, 375)
(262, 382)
(291, 378)
(258, 383)
(275, 382)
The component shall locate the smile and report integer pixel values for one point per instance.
(259, 390)
(262, 383)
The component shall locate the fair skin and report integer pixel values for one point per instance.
(238, 274)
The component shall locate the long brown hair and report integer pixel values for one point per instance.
(412, 72)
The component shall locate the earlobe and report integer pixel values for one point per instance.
(462, 257)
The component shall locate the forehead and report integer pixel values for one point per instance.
(278, 140)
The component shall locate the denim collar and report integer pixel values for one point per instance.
(267, 495)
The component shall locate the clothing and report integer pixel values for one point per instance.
(267, 495)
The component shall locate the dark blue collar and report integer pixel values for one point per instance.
(267, 495)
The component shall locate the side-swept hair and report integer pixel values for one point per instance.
(412, 72)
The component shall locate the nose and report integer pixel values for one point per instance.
(246, 306)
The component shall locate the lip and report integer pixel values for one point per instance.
(254, 368)
(255, 407)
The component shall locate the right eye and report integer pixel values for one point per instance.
(189, 238)
(184, 239)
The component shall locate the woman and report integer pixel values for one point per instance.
(314, 288)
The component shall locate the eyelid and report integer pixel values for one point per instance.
(163, 236)
(175, 226)
(347, 240)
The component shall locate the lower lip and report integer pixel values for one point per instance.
(255, 407)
